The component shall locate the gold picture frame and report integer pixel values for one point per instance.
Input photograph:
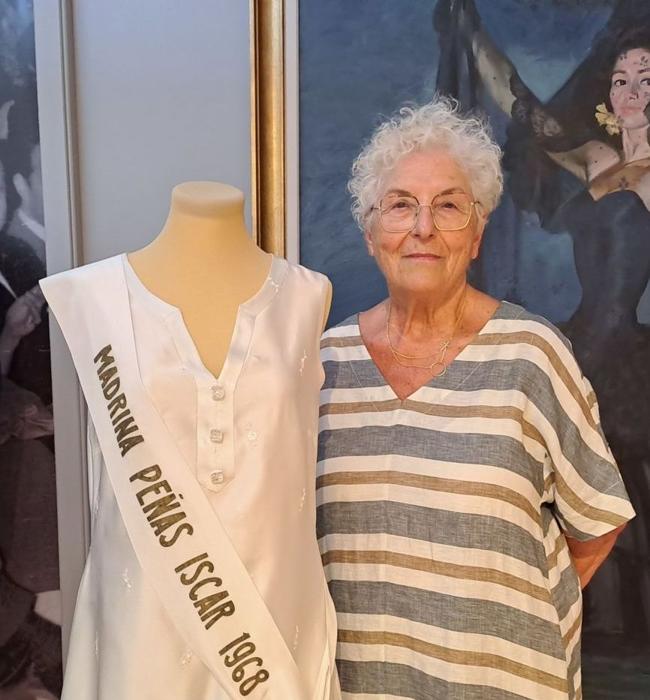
(267, 23)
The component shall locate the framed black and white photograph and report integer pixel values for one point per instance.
(30, 603)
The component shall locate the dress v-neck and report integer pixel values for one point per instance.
(239, 340)
(435, 380)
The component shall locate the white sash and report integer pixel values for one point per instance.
(179, 541)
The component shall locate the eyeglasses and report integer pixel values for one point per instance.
(450, 212)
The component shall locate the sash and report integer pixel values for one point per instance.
(179, 541)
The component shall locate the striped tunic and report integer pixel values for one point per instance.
(441, 517)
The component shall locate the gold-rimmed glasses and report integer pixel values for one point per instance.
(449, 211)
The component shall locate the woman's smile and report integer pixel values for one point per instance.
(423, 257)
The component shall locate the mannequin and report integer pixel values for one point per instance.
(204, 259)
(198, 356)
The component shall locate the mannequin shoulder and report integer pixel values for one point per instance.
(299, 274)
(306, 284)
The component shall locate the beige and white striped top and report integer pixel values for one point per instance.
(441, 518)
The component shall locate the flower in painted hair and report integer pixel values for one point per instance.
(607, 119)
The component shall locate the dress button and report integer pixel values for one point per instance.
(216, 477)
(252, 435)
(218, 393)
(216, 435)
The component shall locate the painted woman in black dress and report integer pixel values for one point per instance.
(581, 161)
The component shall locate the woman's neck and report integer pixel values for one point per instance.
(635, 144)
(421, 316)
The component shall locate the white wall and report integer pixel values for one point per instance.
(162, 97)
(158, 94)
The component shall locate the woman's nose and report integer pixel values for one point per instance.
(424, 226)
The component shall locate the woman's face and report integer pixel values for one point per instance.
(630, 88)
(425, 260)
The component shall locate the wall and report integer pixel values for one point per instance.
(162, 97)
(134, 97)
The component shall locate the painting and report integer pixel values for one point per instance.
(565, 85)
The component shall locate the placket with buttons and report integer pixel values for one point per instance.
(214, 440)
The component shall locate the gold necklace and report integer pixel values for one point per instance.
(441, 352)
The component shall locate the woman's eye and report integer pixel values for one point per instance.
(619, 82)
(645, 82)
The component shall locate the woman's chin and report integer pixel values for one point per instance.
(634, 120)
(424, 287)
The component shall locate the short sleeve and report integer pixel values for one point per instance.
(589, 496)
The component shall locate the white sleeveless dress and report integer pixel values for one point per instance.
(250, 438)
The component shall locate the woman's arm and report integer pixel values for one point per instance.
(493, 66)
(495, 69)
(588, 556)
(575, 161)
(505, 86)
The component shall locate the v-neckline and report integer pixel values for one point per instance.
(429, 383)
(208, 386)
(183, 340)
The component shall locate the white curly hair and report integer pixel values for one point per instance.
(437, 124)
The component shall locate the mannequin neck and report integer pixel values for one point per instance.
(205, 264)
(206, 227)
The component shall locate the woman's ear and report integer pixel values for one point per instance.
(481, 222)
(370, 246)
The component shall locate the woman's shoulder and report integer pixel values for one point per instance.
(528, 327)
(541, 351)
(342, 342)
(348, 327)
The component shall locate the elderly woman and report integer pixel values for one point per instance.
(466, 491)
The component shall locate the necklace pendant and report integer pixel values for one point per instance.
(399, 357)
(438, 364)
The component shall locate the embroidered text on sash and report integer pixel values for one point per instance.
(162, 509)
